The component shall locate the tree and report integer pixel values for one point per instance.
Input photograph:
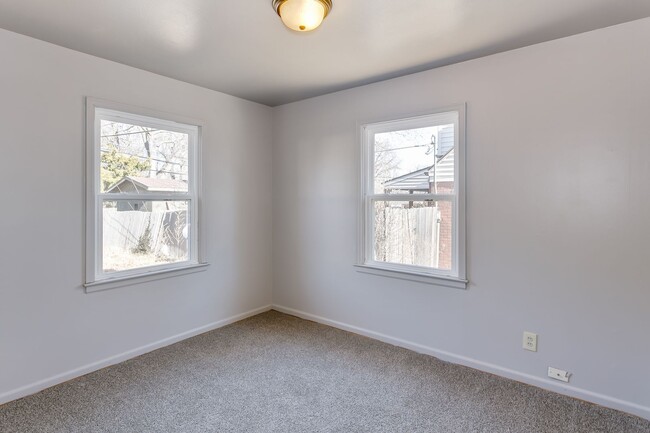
(116, 165)
(166, 152)
(386, 165)
(387, 161)
(144, 241)
(175, 233)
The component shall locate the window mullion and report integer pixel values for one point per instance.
(141, 230)
(411, 197)
(406, 225)
(145, 197)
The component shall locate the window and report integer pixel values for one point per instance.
(412, 210)
(142, 193)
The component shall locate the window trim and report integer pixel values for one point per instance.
(457, 277)
(95, 279)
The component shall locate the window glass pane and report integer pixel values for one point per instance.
(414, 233)
(140, 233)
(415, 161)
(140, 159)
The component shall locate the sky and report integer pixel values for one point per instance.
(411, 147)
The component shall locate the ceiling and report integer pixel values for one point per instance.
(241, 48)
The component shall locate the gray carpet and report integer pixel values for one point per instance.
(277, 373)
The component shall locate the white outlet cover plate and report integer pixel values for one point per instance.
(556, 373)
(530, 341)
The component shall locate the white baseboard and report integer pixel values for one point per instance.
(35, 387)
(571, 391)
(583, 394)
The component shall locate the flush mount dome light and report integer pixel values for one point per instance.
(302, 15)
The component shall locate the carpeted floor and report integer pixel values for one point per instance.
(277, 373)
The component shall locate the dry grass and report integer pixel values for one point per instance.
(120, 260)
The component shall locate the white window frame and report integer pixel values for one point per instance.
(97, 110)
(456, 277)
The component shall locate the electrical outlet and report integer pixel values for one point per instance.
(530, 341)
(557, 374)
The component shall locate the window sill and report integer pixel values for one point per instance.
(420, 277)
(113, 283)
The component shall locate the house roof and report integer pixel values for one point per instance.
(416, 181)
(151, 184)
(444, 167)
(419, 180)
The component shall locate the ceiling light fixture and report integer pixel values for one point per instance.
(302, 15)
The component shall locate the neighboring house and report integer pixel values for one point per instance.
(139, 185)
(436, 179)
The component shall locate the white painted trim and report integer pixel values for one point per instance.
(151, 275)
(367, 196)
(548, 384)
(420, 277)
(97, 109)
(115, 359)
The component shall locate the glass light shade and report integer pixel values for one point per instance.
(302, 15)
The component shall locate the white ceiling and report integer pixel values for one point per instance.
(240, 47)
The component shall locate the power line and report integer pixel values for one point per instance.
(184, 161)
(431, 146)
(139, 132)
(170, 173)
(400, 148)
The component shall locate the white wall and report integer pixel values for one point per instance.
(558, 158)
(50, 329)
(558, 187)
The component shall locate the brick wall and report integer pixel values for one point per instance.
(445, 251)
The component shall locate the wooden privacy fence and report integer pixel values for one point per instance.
(124, 230)
(408, 235)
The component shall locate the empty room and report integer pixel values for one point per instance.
(325, 216)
